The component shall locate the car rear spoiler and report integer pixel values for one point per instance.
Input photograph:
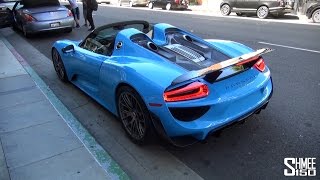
(243, 59)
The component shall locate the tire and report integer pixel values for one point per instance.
(134, 115)
(150, 5)
(262, 12)
(25, 33)
(239, 14)
(59, 66)
(316, 16)
(168, 6)
(225, 9)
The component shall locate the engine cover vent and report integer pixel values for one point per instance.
(186, 52)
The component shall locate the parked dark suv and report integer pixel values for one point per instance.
(261, 7)
(169, 4)
(313, 12)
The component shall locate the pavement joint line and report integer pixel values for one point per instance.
(289, 47)
(31, 126)
(112, 169)
(5, 162)
(17, 90)
(55, 155)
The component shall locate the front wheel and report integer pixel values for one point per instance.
(262, 12)
(225, 9)
(150, 5)
(59, 66)
(316, 16)
(135, 116)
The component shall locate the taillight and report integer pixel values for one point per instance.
(260, 65)
(28, 17)
(177, 1)
(194, 90)
(69, 13)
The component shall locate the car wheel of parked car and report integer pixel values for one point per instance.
(316, 16)
(225, 9)
(168, 6)
(24, 31)
(59, 66)
(135, 116)
(150, 5)
(262, 12)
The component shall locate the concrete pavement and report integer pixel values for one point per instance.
(35, 140)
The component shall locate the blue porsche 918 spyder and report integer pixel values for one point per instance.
(163, 80)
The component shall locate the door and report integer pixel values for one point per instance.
(6, 18)
(252, 4)
(238, 4)
(87, 69)
(158, 3)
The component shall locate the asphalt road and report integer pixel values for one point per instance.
(289, 127)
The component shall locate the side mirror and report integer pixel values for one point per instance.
(68, 49)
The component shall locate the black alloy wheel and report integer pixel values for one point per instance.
(59, 66)
(135, 116)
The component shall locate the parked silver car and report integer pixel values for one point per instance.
(32, 16)
(133, 2)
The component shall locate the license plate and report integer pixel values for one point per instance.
(54, 24)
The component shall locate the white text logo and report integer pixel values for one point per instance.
(300, 166)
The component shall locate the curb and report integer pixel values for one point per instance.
(112, 169)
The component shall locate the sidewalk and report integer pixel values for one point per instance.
(35, 141)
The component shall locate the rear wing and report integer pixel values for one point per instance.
(243, 59)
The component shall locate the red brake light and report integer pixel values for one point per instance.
(28, 17)
(260, 65)
(69, 13)
(194, 90)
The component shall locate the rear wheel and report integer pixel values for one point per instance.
(24, 31)
(225, 9)
(150, 5)
(168, 6)
(316, 16)
(135, 116)
(59, 66)
(262, 12)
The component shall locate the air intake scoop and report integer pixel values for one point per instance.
(186, 52)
